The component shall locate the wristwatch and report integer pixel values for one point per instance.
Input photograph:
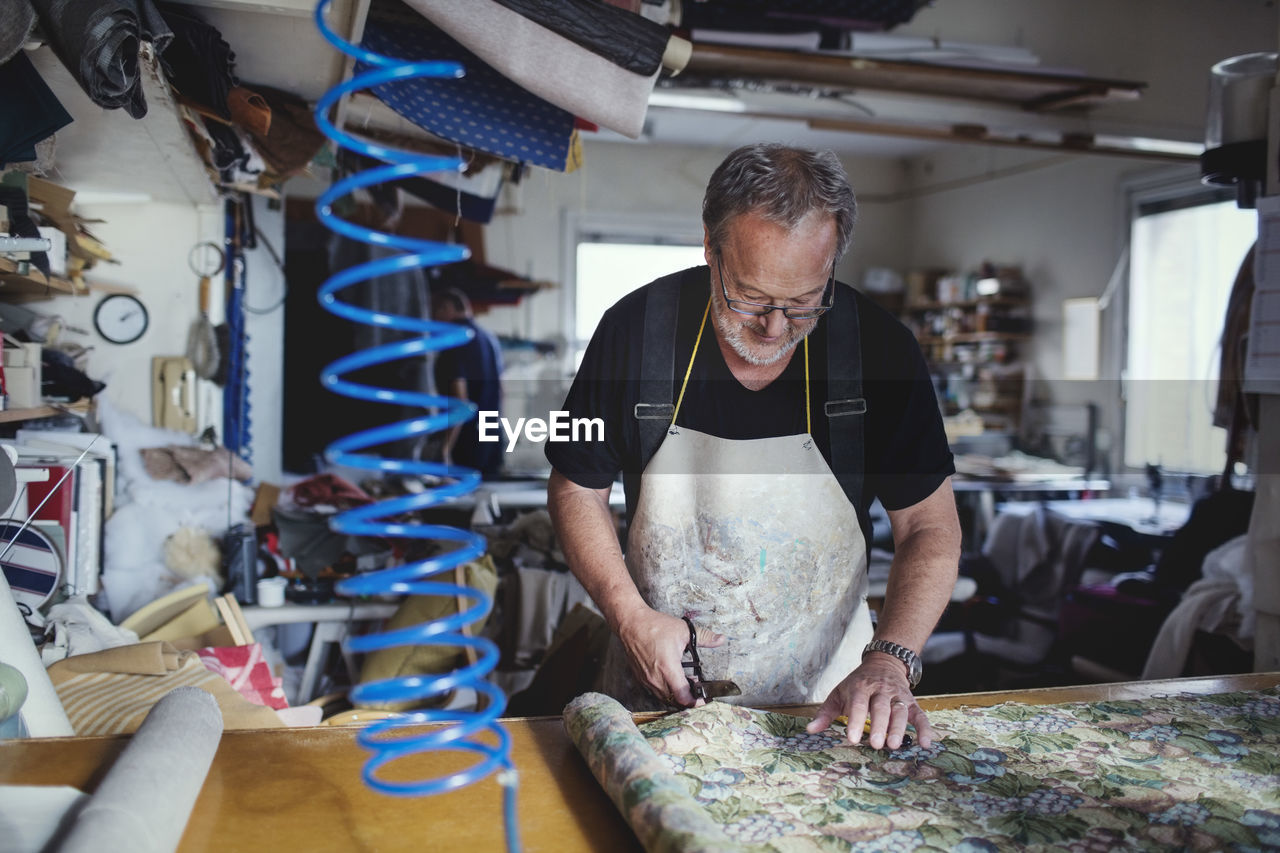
(914, 667)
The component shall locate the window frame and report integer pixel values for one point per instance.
(646, 229)
(1159, 192)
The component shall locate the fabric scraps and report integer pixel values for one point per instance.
(193, 464)
(246, 669)
(292, 138)
(329, 491)
(1176, 772)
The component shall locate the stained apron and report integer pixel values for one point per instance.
(776, 562)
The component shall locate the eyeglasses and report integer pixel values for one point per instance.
(791, 312)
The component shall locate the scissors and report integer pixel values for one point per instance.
(701, 688)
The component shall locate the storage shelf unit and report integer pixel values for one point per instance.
(974, 350)
(16, 286)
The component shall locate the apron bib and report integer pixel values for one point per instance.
(777, 563)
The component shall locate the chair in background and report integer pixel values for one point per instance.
(1006, 634)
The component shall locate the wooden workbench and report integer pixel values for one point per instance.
(300, 789)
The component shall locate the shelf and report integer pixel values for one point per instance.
(1034, 91)
(9, 416)
(994, 302)
(107, 151)
(975, 337)
(13, 283)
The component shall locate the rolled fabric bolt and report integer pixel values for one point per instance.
(42, 711)
(146, 798)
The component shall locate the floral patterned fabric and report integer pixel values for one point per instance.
(1179, 772)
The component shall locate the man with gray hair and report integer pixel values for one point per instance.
(756, 407)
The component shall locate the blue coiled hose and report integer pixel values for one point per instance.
(404, 736)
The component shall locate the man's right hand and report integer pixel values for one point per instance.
(655, 644)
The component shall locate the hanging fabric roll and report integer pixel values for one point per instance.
(624, 38)
(99, 43)
(546, 63)
(482, 110)
(199, 63)
(16, 24)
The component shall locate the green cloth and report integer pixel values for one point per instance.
(400, 661)
(1177, 772)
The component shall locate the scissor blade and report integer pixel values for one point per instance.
(720, 689)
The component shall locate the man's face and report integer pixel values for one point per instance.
(763, 262)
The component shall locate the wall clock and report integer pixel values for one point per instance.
(121, 318)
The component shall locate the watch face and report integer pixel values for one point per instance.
(120, 318)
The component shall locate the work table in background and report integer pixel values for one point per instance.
(300, 789)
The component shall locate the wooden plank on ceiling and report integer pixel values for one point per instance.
(1026, 89)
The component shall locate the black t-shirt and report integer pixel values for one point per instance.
(906, 451)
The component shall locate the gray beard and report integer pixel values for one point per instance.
(733, 333)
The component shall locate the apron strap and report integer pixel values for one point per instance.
(846, 405)
(654, 411)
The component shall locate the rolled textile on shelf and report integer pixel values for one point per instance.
(624, 38)
(545, 63)
(146, 798)
(99, 44)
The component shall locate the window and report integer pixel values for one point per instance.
(607, 271)
(1185, 254)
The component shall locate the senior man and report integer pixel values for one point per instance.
(756, 407)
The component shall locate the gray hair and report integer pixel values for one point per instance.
(781, 184)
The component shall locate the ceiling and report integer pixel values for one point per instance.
(727, 97)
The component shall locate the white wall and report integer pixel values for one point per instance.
(151, 241)
(646, 181)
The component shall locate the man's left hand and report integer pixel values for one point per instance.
(877, 689)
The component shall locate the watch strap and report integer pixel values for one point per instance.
(902, 653)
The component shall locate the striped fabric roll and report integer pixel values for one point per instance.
(110, 692)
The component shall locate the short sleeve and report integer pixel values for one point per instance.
(908, 456)
(599, 391)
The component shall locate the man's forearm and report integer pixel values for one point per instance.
(921, 579)
(923, 574)
(584, 526)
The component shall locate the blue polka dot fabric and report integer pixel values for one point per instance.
(482, 110)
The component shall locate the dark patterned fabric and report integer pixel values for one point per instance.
(799, 15)
(625, 39)
(99, 42)
(482, 110)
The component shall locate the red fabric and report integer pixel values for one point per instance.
(245, 669)
(330, 490)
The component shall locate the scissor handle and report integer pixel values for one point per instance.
(696, 679)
